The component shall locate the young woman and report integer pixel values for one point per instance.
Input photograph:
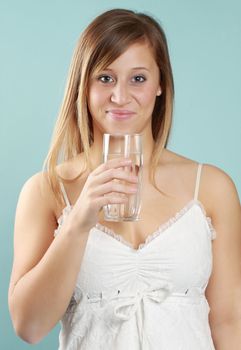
(169, 281)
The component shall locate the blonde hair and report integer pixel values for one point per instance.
(104, 40)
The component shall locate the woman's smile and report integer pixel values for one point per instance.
(120, 114)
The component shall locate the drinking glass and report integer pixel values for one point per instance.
(125, 146)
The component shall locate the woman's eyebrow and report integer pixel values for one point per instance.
(134, 68)
(145, 68)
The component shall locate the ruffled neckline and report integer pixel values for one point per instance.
(161, 229)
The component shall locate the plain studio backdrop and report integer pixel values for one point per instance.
(36, 45)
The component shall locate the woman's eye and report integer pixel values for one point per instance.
(139, 79)
(105, 79)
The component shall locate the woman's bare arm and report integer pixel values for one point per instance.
(45, 269)
(224, 288)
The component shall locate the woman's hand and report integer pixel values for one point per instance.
(100, 190)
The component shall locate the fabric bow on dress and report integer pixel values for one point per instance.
(124, 310)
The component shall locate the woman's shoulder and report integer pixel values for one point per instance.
(212, 172)
(36, 193)
(217, 186)
(37, 189)
(37, 183)
(213, 178)
(215, 183)
(178, 166)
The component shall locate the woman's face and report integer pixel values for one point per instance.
(122, 97)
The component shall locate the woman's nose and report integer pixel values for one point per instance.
(120, 94)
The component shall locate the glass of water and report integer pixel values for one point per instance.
(125, 146)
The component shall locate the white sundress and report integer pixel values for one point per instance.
(150, 298)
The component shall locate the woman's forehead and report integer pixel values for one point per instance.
(138, 55)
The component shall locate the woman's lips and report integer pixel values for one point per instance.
(120, 114)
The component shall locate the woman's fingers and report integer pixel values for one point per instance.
(114, 186)
(104, 200)
(113, 174)
(110, 178)
(110, 164)
(110, 183)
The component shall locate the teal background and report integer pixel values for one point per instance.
(36, 45)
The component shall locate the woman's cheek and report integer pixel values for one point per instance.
(97, 96)
(148, 96)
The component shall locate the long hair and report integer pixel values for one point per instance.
(103, 41)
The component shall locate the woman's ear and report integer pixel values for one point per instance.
(159, 92)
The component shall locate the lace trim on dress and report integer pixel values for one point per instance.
(65, 213)
(209, 220)
(163, 227)
(112, 233)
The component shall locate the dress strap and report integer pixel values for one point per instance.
(66, 199)
(199, 169)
